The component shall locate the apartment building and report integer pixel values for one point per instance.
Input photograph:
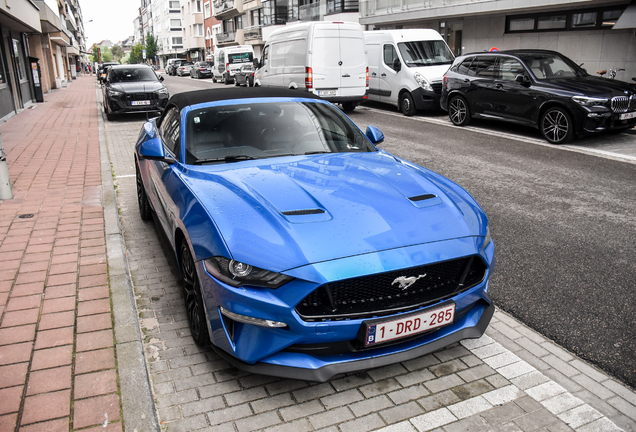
(48, 33)
(600, 34)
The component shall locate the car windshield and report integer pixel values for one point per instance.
(551, 66)
(132, 74)
(425, 53)
(230, 133)
(247, 57)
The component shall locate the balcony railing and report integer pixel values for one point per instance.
(221, 6)
(226, 37)
(310, 12)
(253, 32)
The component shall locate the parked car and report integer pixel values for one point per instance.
(305, 251)
(228, 60)
(327, 59)
(171, 66)
(184, 68)
(245, 76)
(133, 89)
(201, 70)
(540, 88)
(406, 67)
(103, 70)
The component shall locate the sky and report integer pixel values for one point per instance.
(112, 19)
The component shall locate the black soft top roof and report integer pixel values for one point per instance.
(182, 100)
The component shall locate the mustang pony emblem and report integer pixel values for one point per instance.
(406, 282)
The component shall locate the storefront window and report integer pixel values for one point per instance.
(19, 59)
(551, 22)
(3, 79)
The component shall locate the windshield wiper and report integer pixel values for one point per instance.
(231, 158)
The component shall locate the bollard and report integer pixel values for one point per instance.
(5, 184)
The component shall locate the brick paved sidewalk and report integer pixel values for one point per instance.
(57, 361)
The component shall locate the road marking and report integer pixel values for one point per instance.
(571, 148)
(127, 175)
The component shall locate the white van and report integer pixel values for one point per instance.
(406, 67)
(228, 60)
(324, 58)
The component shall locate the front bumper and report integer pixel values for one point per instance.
(286, 352)
(426, 100)
(115, 105)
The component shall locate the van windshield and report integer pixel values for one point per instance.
(247, 57)
(425, 53)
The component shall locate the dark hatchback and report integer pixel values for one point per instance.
(133, 89)
(543, 89)
(201, 70)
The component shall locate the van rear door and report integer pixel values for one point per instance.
(353, 71)
(326, 60)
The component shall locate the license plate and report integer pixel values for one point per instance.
(140, 102)
(326, 92)
(409, 325)
(627, 116)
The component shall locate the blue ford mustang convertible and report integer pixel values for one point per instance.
(305, 251)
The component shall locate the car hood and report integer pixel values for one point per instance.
(137, 87)
(591, 86)
(293, 211)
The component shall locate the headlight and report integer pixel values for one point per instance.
(487, 239)
(589, 101)
(112, 92)
(162, 91)
(423, 82)
(237, 273)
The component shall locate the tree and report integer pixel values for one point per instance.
(95, 56)
(136, 54)
(151, 47)
(107, 55)
(118, 52)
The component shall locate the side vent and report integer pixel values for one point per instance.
(303, 212)
(422, 197)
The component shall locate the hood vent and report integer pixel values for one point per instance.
(303, 212)
(422, 197)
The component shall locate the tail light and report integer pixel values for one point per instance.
(367, 77)
(227, 66)
(309, 78)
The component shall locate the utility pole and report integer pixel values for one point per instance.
(5, 184)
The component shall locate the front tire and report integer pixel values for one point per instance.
(407, 104)
(226, 79)
(213, 79)
(556, 126)
(145, 211)
(193, 299)
(458, 111)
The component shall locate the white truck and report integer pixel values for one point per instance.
(230, 59)
(324, 58)
(406, 67)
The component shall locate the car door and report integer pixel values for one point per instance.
(162, 173)
(389, 80)
(513, 100)
(374, 52)
(481, 85)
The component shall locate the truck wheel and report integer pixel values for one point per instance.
(226, 79)
(407, 105)
(213, 79)
(348, 106)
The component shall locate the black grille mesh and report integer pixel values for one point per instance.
(437, 88)
(138, 96)
(381, 294)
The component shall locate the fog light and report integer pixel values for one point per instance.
(251, 320)
(593, 115)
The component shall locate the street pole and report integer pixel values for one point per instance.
(5, 184)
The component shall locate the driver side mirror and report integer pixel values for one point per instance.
(396, 64)
(374, 134)
(153, 150)
(522, 79)
(161, 78)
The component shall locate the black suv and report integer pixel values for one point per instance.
(539, 88)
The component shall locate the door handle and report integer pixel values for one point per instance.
(373, 74)
(383, 75)
(466, 80)
(346, 76)
(499, 86)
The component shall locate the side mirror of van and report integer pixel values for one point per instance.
(396, 64)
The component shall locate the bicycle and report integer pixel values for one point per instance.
(612, 73)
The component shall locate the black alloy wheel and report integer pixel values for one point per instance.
(145, 211)
(458, 111)
(556, 126)
(407, 105)
(193, 298)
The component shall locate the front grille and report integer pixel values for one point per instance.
(437, 88)
(128, 97)
(382, 294)
(621, 104)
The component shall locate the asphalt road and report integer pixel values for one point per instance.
(563, 223)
